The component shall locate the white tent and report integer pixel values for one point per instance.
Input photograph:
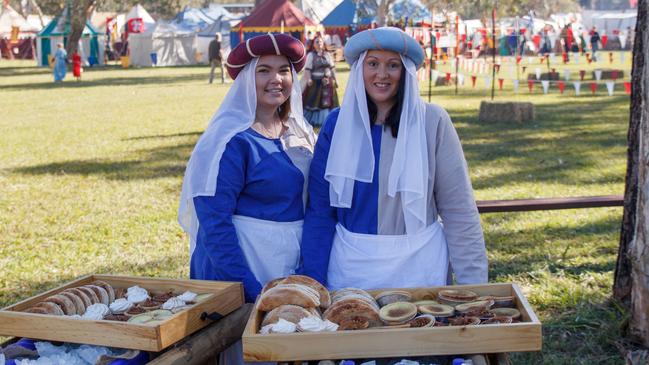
(10, 18)
(608, 21)
(139, 12)
(174, 44)
(141, 44)
(318, 9)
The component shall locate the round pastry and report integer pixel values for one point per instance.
(161, 298)
(64, 302)
(353, 323)
(437, 310)
(117, 317)
(289, 312)
(504, 302)
(348, 309)
(392, 296)
(78, 302)
(134, 311)
(509, 312)
(477, 306)
(51, 308)
(464, 321)
(149, 305)
(456, 296)
(297, 294)
(343, 293)
(325, 297)
(424, 320)
(498, 320)
(108, 288)
(101, 293)
(85, 298)
(398, 313)
(94, 299)
(37, 310)
(271, 284)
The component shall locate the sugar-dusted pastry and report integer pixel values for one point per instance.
(296, 294)
(289, 312)
(325, 297)
(101, 293)
(51, 308)
(78, 302)
(94, 299)
(66, 304)
(109, 289)
(352, 309)
(85, 298)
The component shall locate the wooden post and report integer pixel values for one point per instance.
(493, 58)
(631, 284)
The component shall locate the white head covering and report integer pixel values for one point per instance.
(235, 115)
(351, 156)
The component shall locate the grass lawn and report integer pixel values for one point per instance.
(91, 174)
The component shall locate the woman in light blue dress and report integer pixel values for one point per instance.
(60, 63)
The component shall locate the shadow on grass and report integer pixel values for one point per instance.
(555, 248)
(110, 81)
(24, 71)
(161, 136)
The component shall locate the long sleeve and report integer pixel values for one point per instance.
(216, 231)
(320, 218)
(456, 205)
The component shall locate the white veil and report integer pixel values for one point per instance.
(351, 157)
(235, 114)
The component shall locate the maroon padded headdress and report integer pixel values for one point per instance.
(263, 45)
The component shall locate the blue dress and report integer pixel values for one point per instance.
(60, 66)
(256, 179)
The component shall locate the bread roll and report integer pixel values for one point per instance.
(109, 289)
(51, 308)
(94, 299)
(325, 298)
(296, 294)
(78, 302)
(101, 293)
(66, 304)
(37, 310)
(289, 312)
(87, 301)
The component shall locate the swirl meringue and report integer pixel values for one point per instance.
(96, 312)
(187, 296)
(120, 305)
(173, 303)
(136, 295)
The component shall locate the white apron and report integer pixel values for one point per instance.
(272, 250)
(370, 261)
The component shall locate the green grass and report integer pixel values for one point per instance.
(91, 173)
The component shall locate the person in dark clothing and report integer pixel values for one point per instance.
(594, 42)
(216, 57)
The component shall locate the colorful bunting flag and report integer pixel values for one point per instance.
(500, 83)
(530, 85)
(627, 88)
(598, 75)
(515, 82)
(577, 86)
(593, 87)
(610, 87)
(562, 86)
(582, 73)
(546, 86)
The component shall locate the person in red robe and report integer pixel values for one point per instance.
(76, 66)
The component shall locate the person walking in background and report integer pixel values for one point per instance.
(594, 42)
(60, 63)
(216, 57)
(76, 66)
(319, 95)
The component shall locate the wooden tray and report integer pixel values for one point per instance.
(377, 343)
(227, 297)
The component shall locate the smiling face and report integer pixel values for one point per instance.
(273, 80)
(381, 74)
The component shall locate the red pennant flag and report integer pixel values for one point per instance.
(604, 40)
(565, 57)
(497, 67)
(590, 60)
(448, 77)
(524, 68)
(582, 73)
(530, 85)
(627, 88)
(610, 57)
(518, 59)
(500, 83)
(473, 78)
(562, 86)
(614, 75)
(593, 87)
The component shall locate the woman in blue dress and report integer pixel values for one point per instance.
(242, 200)
(60, 63)
(387, 168)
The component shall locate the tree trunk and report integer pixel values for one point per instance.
(78, 12)
(631, 284)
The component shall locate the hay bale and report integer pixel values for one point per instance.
(506, 112)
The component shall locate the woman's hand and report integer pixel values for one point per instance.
(309, 82)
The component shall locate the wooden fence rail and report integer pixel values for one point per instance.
(523, 205)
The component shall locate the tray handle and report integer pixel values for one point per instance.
(214, 316)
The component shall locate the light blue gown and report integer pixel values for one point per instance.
(60, 66)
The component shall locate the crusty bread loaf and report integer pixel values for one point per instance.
(64, 302)
(51, 308)
(325, 298)
(296, 294)
(101, 293)
(87, 301)
(109, 289)
(78, 302)
(94, 299)
(289, 312)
